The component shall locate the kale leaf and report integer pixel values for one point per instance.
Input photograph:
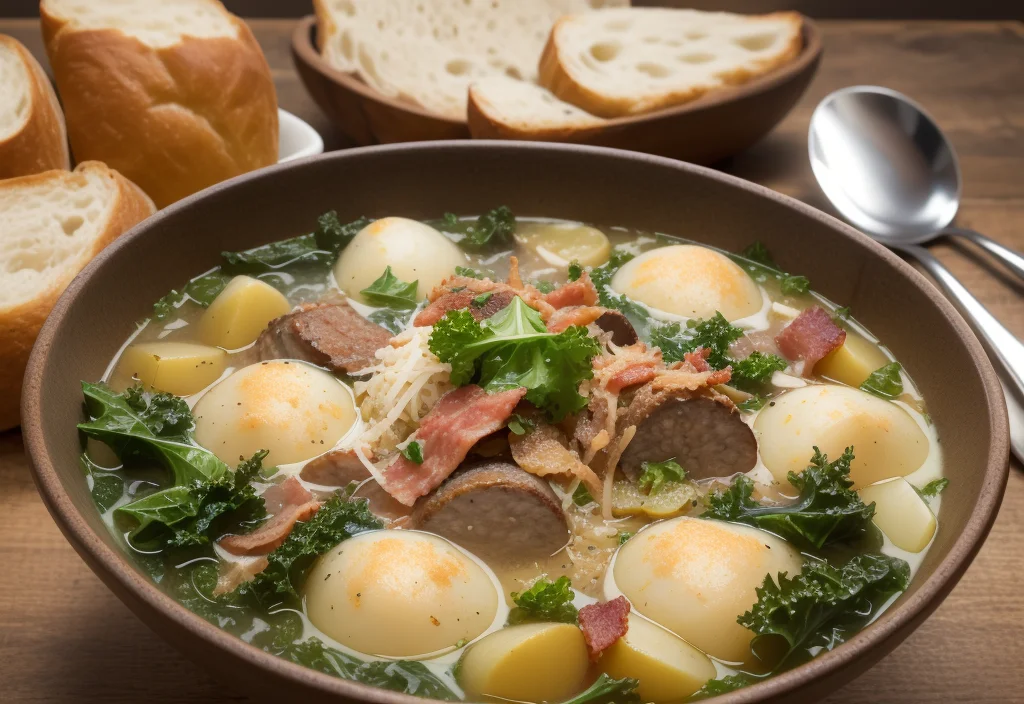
(545, 601)
(752, 404)
(729, 683)
(758, 261)
(606, 690)
(885, 382)
(337, 520)
(145, 428)
(331, 235)
(822, 605)
(520, 425)
(754, 371)
(205, 288)
(827, 510)
(397, 675)
(933, 488)
(294, 252)
(388, 291)
(714, 334)
(106, 486)
(602, 277)
(413, 452)
(582, 497)
(513, 349)
(493, 229)
(655, 475)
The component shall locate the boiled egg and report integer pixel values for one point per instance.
(413, 250)
(689, 281)
(887, 442)
(293, 409)
(400, 594)
(695, 577)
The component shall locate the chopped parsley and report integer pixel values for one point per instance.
(933, 488)
(545, 601)
(413, 452)
(520, 424)
(885, 382)
(655, 475)
(389, 291)
(481, 300)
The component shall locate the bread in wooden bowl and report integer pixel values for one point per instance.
(32, 134)
(51, 225)
(427, 52)
(632, 61)
(176, 96)
(505, 108)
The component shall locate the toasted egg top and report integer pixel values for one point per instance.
(293, 409)
(696, 576)
(400, 594)
(689, 281)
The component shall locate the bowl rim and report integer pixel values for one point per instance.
(312, 142)
(113, 567)
(304, 49)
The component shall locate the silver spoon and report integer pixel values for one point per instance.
(888, 169)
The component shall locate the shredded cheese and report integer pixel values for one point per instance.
(609, 472)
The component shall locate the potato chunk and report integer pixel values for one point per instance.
(180, 368)
(853, 362)
(536, 662)
(901, 514)
(241, 312)
(560, 243)
(669, 668)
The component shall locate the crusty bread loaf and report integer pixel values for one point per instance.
(505, 108)
(51, 225)
(629, 61)
(429, 51)
(176, 95)
(32, 135)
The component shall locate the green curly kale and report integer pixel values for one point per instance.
(655, 475)
(606, 690)
(545, 601)
(827, 511)
(493, 229)
(758, 261)
(753, 372)
(714, 334)
(336, 521)
(820, 607)
(513, 349)
(389, 291)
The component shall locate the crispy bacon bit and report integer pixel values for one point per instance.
(288, 503)
(234, 573)
(681, 377)
(514, 279)
(631, 376)
(811, 336)
(448, 431)
(574, 293)
(603, 624)
(565, 318)
(699, 359)
(457, 300)
(544, 450)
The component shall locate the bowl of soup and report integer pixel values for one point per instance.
(515, 422)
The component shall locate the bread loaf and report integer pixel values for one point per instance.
(428, 51)
(32, 135)
(629, 61)
(506, 108)
(51, 225)
(177, 96)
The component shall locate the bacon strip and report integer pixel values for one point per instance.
(289, 503)
(811, 336)
(699, 359)
(631, 376)
(580, 292)
(448, 431)
(603, 624)
(458, 300)
(565, 318)
(544, 451)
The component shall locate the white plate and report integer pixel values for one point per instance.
(297, 139)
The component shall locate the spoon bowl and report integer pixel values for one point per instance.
(884, 164)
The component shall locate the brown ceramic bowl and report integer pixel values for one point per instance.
(100, 307)
(704, 131)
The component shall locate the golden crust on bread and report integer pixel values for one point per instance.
(175, 119)
(20, 323)
(42, 143)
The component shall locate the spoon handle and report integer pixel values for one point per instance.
(1011, 260)
(1004, 349)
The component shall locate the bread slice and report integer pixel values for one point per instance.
(505, 108)
(32, 134)
(51, 225)
(629, 61)
(428, 51)
(177, 96)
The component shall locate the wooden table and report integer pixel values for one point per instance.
(64, 637)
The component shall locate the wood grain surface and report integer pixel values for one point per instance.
(65, 638)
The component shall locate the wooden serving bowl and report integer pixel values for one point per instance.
(100, 307)
(722, 123)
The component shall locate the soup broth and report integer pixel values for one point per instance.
(500, 459)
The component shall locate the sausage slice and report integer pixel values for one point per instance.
(495, 510)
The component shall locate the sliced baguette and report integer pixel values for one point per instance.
(176, 95)
(630, 61)
(32, 133)
(505, 108)
(51, 225)
(427, 52)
